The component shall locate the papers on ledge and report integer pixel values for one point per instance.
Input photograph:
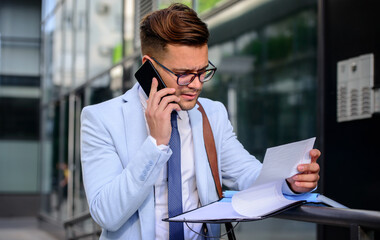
(265, 196)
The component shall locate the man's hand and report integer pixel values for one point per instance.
(308, 177)
(158, 111)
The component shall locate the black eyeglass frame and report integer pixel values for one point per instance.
(194, 74)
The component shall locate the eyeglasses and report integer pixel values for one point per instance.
(186, 79)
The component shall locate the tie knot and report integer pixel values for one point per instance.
(173, 119)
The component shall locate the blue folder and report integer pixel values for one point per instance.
(308, 197)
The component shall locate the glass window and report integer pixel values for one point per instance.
(105, 35)
(19, 42)
(47, 7)
(99, 90)
(17, 52)
(26, 81)
(14, 16)
(68, 49)
(267, 79)
(22, 118)
(129, 26)
(52, 57)
(106, 86)
(46, 61)
(269, 82)
(19, 132)
(80, 26)
(79, 197)
(48, 175)
(58, 200)
(60, 171)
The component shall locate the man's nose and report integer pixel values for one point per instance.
(196, 83)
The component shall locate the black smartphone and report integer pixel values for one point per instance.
(144, 76)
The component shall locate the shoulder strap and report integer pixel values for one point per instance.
(211, 150)
(212, 160)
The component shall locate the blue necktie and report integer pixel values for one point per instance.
(175, 182)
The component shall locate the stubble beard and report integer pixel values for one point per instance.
(188, 105)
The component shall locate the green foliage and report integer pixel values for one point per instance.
(117, 53)
(167, 3)
(207, 5)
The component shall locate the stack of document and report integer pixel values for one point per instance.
(264, 198)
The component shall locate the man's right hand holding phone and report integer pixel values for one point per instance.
(160, 105)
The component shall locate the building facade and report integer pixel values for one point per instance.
(19, 106)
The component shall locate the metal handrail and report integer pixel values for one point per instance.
(80, 218)
(343, 217)
(355, 219)
(72, 234)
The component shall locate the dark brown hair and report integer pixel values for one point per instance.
(178, 25)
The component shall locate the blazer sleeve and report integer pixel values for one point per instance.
(115, 192)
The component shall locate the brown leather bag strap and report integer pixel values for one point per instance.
(211, 150)
(212, 159)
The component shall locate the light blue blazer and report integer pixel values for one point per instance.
(121, 165)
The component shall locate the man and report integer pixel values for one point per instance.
(127, 144)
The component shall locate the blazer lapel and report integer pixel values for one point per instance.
(134, 121)
(136, 134)
(202, 167)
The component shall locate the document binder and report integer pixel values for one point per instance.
(264, 198)
(224, 206)
(188, 216)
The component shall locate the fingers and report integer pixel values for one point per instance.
(307, 179)
(160, 104)
(169, 102)
(170, 108)
(314, 154)
(153, 87)
(312, 177)
(305, 186)
(153, 90)
(155, 96)
(312, 167)
(303, 182)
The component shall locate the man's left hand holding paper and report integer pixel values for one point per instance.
(307, 179)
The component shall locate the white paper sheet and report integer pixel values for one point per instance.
(212, 212)
(266, 193)
(281, 162)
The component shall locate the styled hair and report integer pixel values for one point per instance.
(177, 25)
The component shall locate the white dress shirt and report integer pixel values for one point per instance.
(190, 198)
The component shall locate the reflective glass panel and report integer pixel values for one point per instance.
(129, 28)
(48, 200)
(80, 58)
(52, 57)
(68, 48)
(105, 35)
(267, 80)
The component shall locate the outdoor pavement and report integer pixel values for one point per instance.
(29, 228)
(23, 228)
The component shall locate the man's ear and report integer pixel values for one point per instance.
(146, 57)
